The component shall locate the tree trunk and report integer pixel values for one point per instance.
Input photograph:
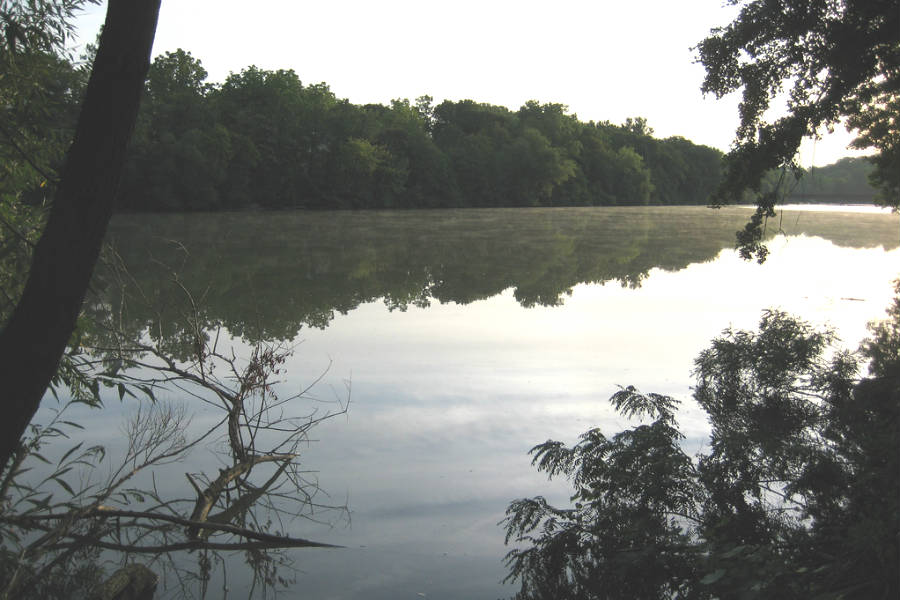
(39, 328)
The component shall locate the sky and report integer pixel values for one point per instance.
(606, 61)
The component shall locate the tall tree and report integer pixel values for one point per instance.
(40, 326)
(178, 155)
(839, 61)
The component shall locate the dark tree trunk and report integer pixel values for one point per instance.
(37, 332)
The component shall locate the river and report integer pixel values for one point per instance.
(462, 338)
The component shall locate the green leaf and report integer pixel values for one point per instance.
(69, 453)
(43, 503)
(62, 472)
(65, 486)
(40, 457)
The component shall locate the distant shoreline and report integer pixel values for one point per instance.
(851, 207)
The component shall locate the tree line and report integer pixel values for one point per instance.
(264, 139)
(848, 179)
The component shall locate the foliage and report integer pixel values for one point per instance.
(60, 512)
(795, 497)
(37, 25)
(832, 62)
(883, 348)
(264, 139)
(61, 519)
(877, 127)
(846, 179)
(39, 93)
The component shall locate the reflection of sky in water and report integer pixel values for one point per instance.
(446, 402)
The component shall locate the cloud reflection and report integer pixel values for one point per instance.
(447, 400)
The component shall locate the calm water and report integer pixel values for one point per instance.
(469, 336)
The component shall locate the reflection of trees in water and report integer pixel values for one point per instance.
(266, 275)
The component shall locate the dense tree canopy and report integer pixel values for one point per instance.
(795, 495)
(832, 62)
(840, 182)
(264, 139)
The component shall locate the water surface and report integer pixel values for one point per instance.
(465, 337)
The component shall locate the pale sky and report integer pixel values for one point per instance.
(604, 60)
